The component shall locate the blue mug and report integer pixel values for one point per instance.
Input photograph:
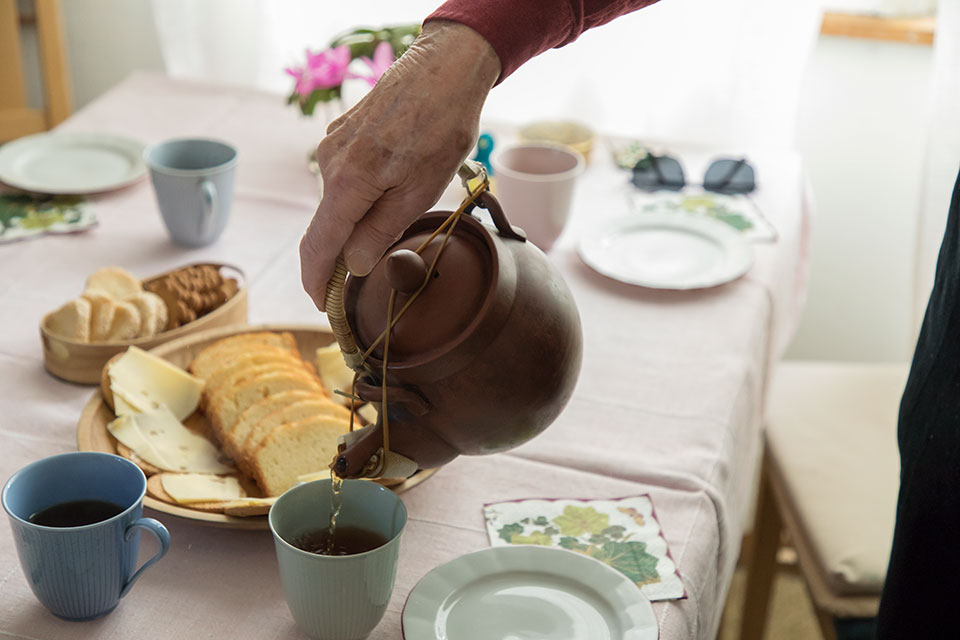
(193, 181)
(80, 572)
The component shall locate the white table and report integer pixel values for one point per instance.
(669, 401)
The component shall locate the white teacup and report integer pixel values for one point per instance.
(534, 184)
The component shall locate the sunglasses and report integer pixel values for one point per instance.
(725, 175)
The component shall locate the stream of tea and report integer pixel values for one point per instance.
(336, 503)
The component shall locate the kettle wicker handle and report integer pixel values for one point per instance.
(337, 316)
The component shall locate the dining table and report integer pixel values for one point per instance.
(669, 401)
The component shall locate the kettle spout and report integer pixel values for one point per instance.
(357, 451)
(353, 460)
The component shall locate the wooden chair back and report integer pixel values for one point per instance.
(17, 118)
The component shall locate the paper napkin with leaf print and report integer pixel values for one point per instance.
(623, 533)
(738, 211)
(27, 216)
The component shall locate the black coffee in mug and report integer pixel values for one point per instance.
(76, 513)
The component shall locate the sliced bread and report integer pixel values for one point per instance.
(234, 439)
(210, 358)
(293, 450)
(300, 410)
(261, 355)
(224, 409)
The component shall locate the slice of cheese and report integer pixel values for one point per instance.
(201, 487)
(369, 412)
(334, 372)
(314, 475)
(125, 430)
(123, 408)
(127, 402)
(146, 381)
(162, 440)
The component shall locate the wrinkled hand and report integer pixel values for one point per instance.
(387, 160)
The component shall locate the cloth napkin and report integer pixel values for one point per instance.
(738, 211)
(623, 533)
(27, 216)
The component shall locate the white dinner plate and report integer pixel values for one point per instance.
(668, 251)
(527, 593)
(71, 163)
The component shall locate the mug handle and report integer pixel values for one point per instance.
(162, 536)
(209, 192)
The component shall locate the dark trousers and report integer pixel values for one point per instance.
(921, 597)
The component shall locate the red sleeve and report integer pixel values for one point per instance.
(521, 29)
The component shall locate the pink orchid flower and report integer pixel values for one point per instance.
(382, 59)
(323, 70)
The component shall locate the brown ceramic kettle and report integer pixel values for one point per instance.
(485, 357)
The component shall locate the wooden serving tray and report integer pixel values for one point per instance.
(92, 433)
(83, 361)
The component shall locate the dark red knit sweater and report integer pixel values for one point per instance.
(521, 29)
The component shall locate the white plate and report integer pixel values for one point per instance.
(668, 251)
(527, 593)
(71, 163)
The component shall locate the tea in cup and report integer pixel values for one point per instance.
(76, 519)
(338, 589)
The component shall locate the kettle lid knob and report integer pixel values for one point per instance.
(406, 270)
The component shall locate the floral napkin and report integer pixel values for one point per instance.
(738, 211)
(623, 533)
(27, 216)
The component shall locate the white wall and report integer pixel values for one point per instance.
(105, 40)
(862, 134)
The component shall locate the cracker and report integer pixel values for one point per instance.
(71, 321)
(105, 381)
(153, 313)
(113, 281)
(125, 323)
(102, 308)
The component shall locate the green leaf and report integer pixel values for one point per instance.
(575, 521)
(629, 558)
(735, 220)
(537, 537)
(550, 531)
(541, 521)
(571, 543)
(508, 531)
(614, 532)
(525, 521)
(598, 539)
(317, 96)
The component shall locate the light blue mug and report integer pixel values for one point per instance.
(80, 572)
(337, 597)
(193, 181)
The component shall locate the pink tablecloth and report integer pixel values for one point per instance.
(669, 401)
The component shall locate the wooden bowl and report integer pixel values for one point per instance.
(83, 361)
(93, 435)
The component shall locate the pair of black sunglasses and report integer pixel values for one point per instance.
(725, 175)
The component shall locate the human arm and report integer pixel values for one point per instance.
(521, 29)
(386, 161)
